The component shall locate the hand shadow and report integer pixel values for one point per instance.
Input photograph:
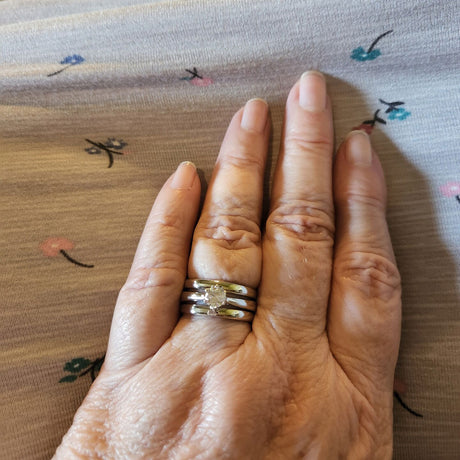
(429, 275)
(430, 296)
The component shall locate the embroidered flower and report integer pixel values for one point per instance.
(77, 365)
(366, 127)
(93, 151)
(360, 54)
(398, 114)
(75, 59)
(395, 111)
(205, 81)
(115, 143)
(54, 246)
(110, 144)
(399, 387)
(196, 79)
(451, 189)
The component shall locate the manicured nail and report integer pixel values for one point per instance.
(255, 115)
(312, 91)
(184, 176)
(358, 148)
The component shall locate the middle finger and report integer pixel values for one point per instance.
(299, 233)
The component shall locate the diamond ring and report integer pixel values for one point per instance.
(214, 298)
(233, 288)
(218, 298)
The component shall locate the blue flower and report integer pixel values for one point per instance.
(360, 55)
(117, 144)
(398, 114)
(93, 150)
(73, 60)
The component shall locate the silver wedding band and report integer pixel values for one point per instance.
(227, 313)
(199, 299)
(233, 288)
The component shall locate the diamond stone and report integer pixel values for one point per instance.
(215, 297)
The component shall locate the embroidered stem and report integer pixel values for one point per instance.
(403, 404)
(194, 73)
(103, 147)
(97, 363)
(87, 370)
(376, 118)
(110, 158)
(73, 260)
(376, 40)
(59, 71)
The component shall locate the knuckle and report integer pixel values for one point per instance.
(231, 231)
(242, 158)
(310, 143)
(306, 221)
(164, 224)
(165, 275)
(352, 199)
(373, 274)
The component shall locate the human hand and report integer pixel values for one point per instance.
(313, 377)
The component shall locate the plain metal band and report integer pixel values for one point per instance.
(222, 312)
(233, 288)
(200, 299)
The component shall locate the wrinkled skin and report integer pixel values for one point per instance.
(312, 376)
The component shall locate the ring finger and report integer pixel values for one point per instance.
(227, 239)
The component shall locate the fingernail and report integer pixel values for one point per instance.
(312, 91)
(358, 148)
(255, 115)
(184, 176)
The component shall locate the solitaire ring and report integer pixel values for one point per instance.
(218, 298)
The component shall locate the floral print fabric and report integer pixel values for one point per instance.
(100, 101)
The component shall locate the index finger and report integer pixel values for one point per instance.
(298, 243)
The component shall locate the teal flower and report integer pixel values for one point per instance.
(77, 365)
(398, 114)
(360, 54)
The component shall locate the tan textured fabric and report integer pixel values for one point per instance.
(130, 86)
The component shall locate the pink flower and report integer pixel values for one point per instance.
(399, 386)
(52, 246)
(367, 127)
(450, 189)
(205, 81)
